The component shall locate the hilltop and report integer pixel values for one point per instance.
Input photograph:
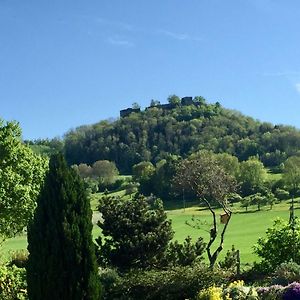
(180, 129)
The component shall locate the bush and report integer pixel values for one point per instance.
(273, 292)
(108, 278)
(231, 260)
(286, 273)
(185, 254)
(280, 245)
(12, 283)
(237, 291)
(175, 283)
(281, 194)
(111, 186)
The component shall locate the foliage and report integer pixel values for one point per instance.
(109, 279)
(211, 293)
(174, 99)
(231, 260)
(106, 171)
(206, 178)
(212, 185)
(185, 254)
(143, 174)
(46, 147)
(21, 176)
(62, 262)
(291, 175)
(153, 134)
(171, 284)
(251, 177)
(12, 283)
(136, 232)
(286, 273)
(238, 291)
(157, 180)
(273, 292)
(280, 245)
(282, 194)
(19, 258)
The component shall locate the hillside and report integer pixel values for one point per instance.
(152, 134)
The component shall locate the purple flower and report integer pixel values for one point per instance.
(270, 292)
(292, 291)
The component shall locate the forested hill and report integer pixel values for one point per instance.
(160, 130)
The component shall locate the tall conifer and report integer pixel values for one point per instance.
(62, 262)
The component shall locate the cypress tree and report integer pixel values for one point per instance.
(62, 262)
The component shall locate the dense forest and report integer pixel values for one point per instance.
(152, 134)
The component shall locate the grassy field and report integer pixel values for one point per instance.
(243, 231)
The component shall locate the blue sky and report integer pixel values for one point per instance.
(68, 63)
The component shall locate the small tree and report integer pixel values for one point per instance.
(62, 262)
(106, 171)
(213, 185)
(174, 100)
(291, 177)
(136, 232)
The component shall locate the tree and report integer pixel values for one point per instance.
(245, 202)
(106, 171)
(212, 185)
(154, 103)
(21, 176)
(281, 244)
(174, 99)
(62, 262)
(291, 177)
(136, 232)
(135, 105)
(229, 163)
(85, 170)
(142, 173)
(291, 174)
(252, 175)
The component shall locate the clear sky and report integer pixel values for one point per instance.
(65, 63)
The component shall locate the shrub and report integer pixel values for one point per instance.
(108, 278)
(174, 283)
(280, 244)
(281, 194)
(19, 258)
(12, 283)
(231, 260)
(273, 292)
(185, 254)
(238, 291)
(136, 232)
(287, 273)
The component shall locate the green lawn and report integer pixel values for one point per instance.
(243, 231)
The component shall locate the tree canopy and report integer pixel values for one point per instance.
(212, 185)
(159, 131)
(21, 176)
(136, 232)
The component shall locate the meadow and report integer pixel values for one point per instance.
(243, 231)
